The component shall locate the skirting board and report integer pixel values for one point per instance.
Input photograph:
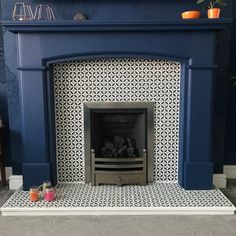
(230, 171)
(120, 211)
(220, 180)
(8, 172)
(15, 182)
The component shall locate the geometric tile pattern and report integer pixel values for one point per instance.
(116, 80)
(151, 195)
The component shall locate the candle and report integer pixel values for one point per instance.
(45, 185)
(49, 194)
(34, 194)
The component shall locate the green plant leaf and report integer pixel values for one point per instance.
(221, 2)
(212, 3)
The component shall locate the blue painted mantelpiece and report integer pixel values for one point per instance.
(40, 44)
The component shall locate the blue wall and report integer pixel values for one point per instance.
(3, 94)
(129, 10)
(108, 10)
(230, 137)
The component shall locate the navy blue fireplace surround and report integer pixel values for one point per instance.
(40, 44)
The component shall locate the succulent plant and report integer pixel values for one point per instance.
(212, 3)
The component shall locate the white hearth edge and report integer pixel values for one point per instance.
(120, 211)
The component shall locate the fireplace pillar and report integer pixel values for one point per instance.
(36, 167)
(198, 169)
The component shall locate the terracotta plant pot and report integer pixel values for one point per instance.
(191, 14)
(213, 13)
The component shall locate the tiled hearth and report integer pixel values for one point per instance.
(155, 198)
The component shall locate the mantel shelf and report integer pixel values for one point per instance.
(73, 26)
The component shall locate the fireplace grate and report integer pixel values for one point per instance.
(119, 171)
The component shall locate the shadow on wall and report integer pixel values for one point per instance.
(230, 139)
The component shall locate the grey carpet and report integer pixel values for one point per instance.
(5, 193)
(230, 191)
(119, 225)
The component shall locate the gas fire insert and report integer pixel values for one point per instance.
(119, 143)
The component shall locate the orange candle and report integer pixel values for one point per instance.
(34, 194)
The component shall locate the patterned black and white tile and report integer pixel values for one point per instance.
(116, 80)
(155, 198)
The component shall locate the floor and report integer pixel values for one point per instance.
(120, 225)
(230, 191)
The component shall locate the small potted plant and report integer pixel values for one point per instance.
(213, 11)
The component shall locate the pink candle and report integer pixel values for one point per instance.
(49, 194)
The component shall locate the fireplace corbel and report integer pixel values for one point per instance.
(41, 44)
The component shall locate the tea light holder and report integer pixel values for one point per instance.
(22, 12)
(46, 184)
(44, 12)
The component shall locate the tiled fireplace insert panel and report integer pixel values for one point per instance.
(116, 80)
